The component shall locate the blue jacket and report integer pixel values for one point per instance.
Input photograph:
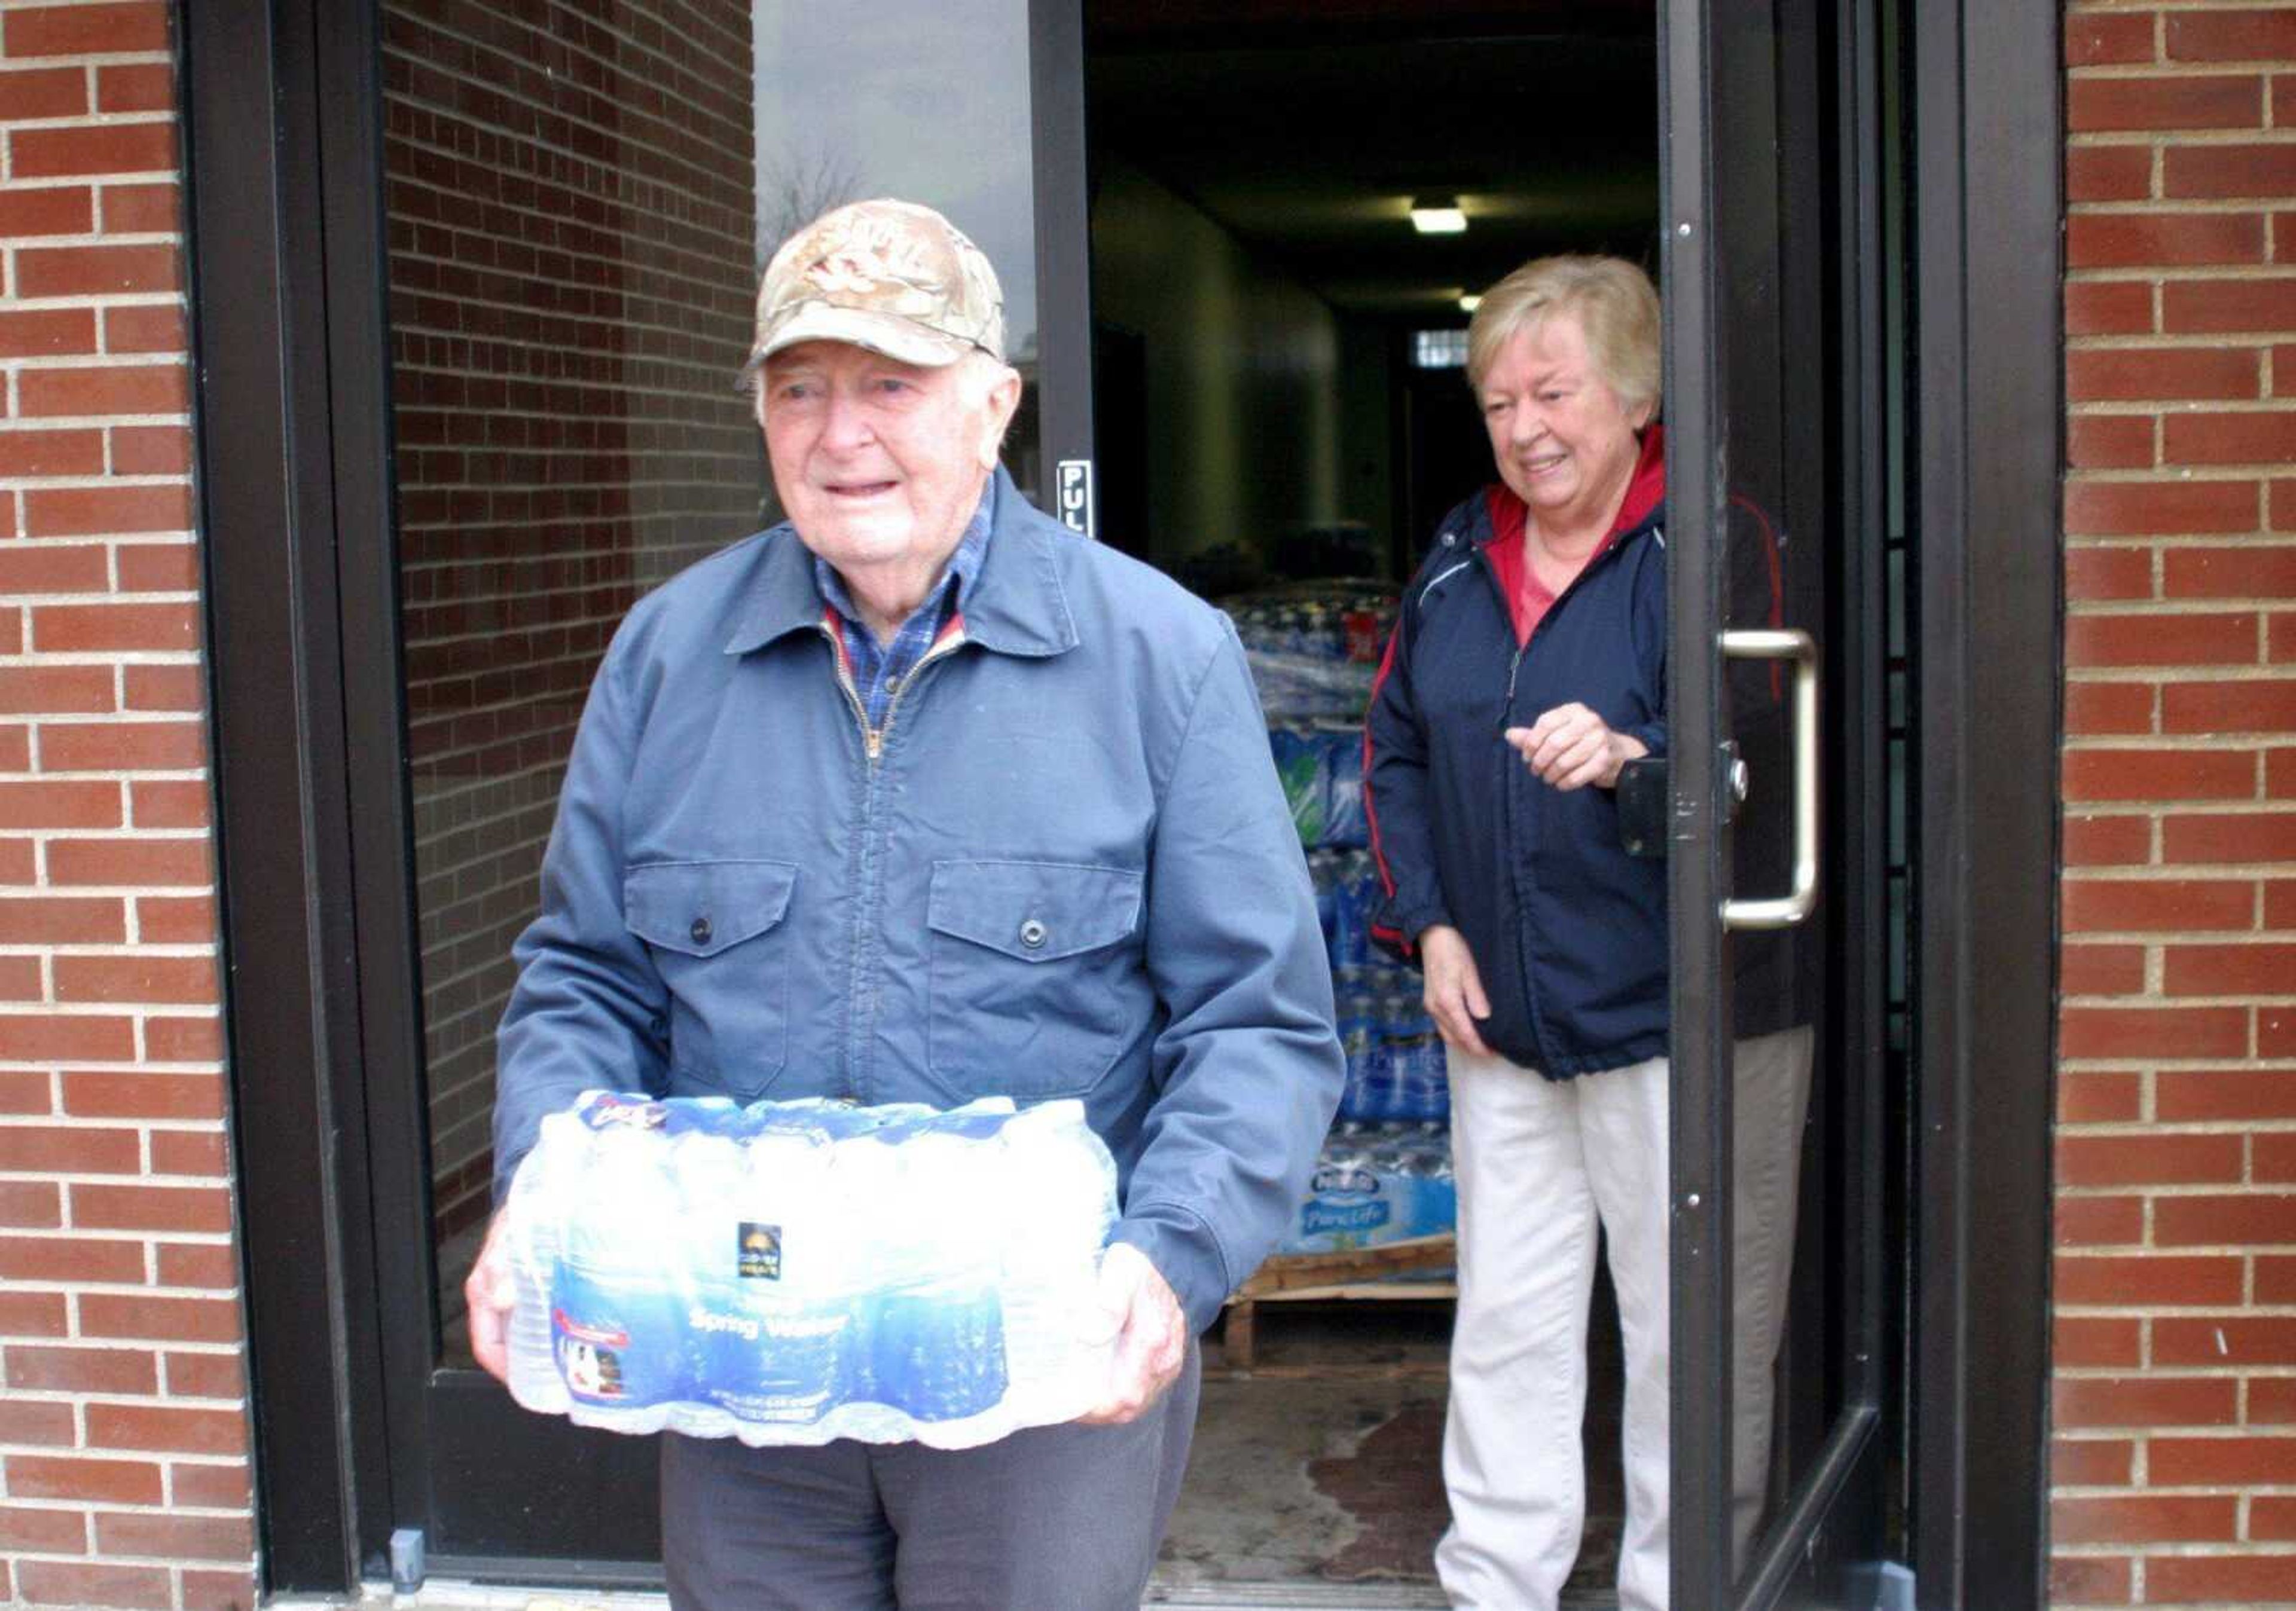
(1569, 932)
(1063, 867)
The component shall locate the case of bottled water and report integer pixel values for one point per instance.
(792, 1272)
(1390, 1184)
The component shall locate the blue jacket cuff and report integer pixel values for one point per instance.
(1185, 1254)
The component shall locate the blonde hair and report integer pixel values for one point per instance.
(1613, 301)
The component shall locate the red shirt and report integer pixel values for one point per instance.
(1528, 599)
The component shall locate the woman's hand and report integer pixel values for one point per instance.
(1453, 991)
(1571, 747)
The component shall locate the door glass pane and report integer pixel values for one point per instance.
(578, 204)
(1790, 550)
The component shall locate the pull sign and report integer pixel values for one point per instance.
(1072, 489)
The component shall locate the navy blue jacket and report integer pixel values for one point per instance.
(1568, 931)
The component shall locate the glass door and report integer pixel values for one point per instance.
(1780, 778)
(576, 205)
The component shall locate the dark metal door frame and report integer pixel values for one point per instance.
(284, 198)
(1986, 417)
(1833, 1520)
(1987, 285)
(356, 1433)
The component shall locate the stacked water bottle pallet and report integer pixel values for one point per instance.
(1378, 1221)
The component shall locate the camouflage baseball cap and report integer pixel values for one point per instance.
(891, 276)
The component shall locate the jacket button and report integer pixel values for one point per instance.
(699, 931)
(1033, 935)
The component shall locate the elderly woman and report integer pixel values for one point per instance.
(1528, 667)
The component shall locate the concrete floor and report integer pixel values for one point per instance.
(1320, 1471)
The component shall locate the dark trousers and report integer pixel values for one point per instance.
(1054, 1518)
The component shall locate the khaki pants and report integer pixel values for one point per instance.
(1541, 1164)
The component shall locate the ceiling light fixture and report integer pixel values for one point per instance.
(1470, 302)
(1441, 215)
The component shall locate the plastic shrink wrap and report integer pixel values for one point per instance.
(792, 1272)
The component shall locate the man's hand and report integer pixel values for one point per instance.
(1454, 991)
(1571, 747)
(1137, 1309)
(491, 1290)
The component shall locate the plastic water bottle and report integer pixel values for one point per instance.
(1345, 824)
(1383, 1081)
(617, 1321)
(936, 1350)
(1358, 1038)
(1415, 1052)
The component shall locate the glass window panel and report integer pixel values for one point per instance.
(578, 204)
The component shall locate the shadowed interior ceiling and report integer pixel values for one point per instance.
(1542, 119)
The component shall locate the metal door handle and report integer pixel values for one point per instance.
(1783, 912)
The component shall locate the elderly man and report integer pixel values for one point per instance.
(919, 798)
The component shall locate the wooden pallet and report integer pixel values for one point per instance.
(1370, 1273)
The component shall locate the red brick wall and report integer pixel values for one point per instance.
(2175, 1396)
(572, 208)
(123, 1434)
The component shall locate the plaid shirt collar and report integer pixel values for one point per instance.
(879, 669)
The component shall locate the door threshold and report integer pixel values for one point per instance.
(452, 1595)
(1296, 1597)
(1331, 1597)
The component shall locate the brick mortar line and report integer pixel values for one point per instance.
(92, 657)
(57, 364)
(2103, 675)
(2255, 340)
(2161, 274)
(2165, 1190)
(111, 775)
(2065, 1065)
(2274, 1371)
(52, 1009)
(2211, 207)
(140, 117)
(2165, 607)
(125, 1288)
(41, 1501)
(2159, 139)
(91, 421)
(2142, 744)
(144, 1127)
(2078, 542)
(77, 241)
(183, 950)
(98, 480)
(180, 537)
(2138, 875)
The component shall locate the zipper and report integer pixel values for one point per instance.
(1523, 897)
(1506, 612)
(873, 738)
(869, 740)
(861, 994)
(940, 650)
